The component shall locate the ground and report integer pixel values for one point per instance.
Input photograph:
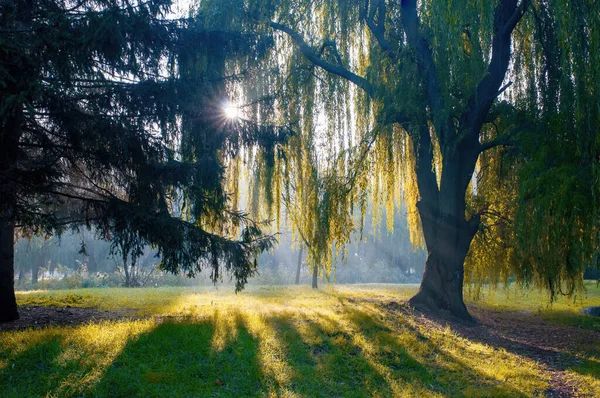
(292, 341)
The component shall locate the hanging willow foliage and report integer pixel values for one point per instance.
(535, 186)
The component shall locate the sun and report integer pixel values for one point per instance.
(231, 111)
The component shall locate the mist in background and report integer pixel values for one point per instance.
(79, 258)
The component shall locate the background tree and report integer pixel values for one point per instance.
(108, 119)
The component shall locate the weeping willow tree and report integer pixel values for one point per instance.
(479, 116)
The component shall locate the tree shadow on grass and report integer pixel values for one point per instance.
(360, 356)
(29, 373)
(558, 347)
(321, 356)
(327, 363)
(349, 353)
(180, 359)
(436, 368)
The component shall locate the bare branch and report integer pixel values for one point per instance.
(503, 89)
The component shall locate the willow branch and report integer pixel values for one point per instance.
(501, 140)
(411, 24)
(378, 29)
(313, 57)
(508, 13)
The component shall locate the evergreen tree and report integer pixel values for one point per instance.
(110, 119)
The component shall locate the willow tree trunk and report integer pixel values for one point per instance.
(8, 302)
(299, 266)
(315, 277)
(447, 232)
(442, 283)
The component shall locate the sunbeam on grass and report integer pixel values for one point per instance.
(283, 341)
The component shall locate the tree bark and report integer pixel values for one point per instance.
(447, 233)
(442, 283)
(299, 266)
(8, 301)
(315, 278)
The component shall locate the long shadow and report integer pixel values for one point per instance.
(29, 373)
(177, 359)
(440, 372)
(565, 356)
(323, 365)
(330, 360)
(577, 358)
(357, 353)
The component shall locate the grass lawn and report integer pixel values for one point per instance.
(348, 341)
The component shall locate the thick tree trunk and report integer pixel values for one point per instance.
(8, 302)
(442, 284)
(299, 266)
(448, 235)
(315, 278)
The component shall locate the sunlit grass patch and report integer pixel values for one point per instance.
(539, 300)
(275, 341)
(143, 301)
(63, 361)
(482, 370)
(586, 375)
(563, 310)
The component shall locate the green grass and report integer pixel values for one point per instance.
(279, 341)
(563, 310)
